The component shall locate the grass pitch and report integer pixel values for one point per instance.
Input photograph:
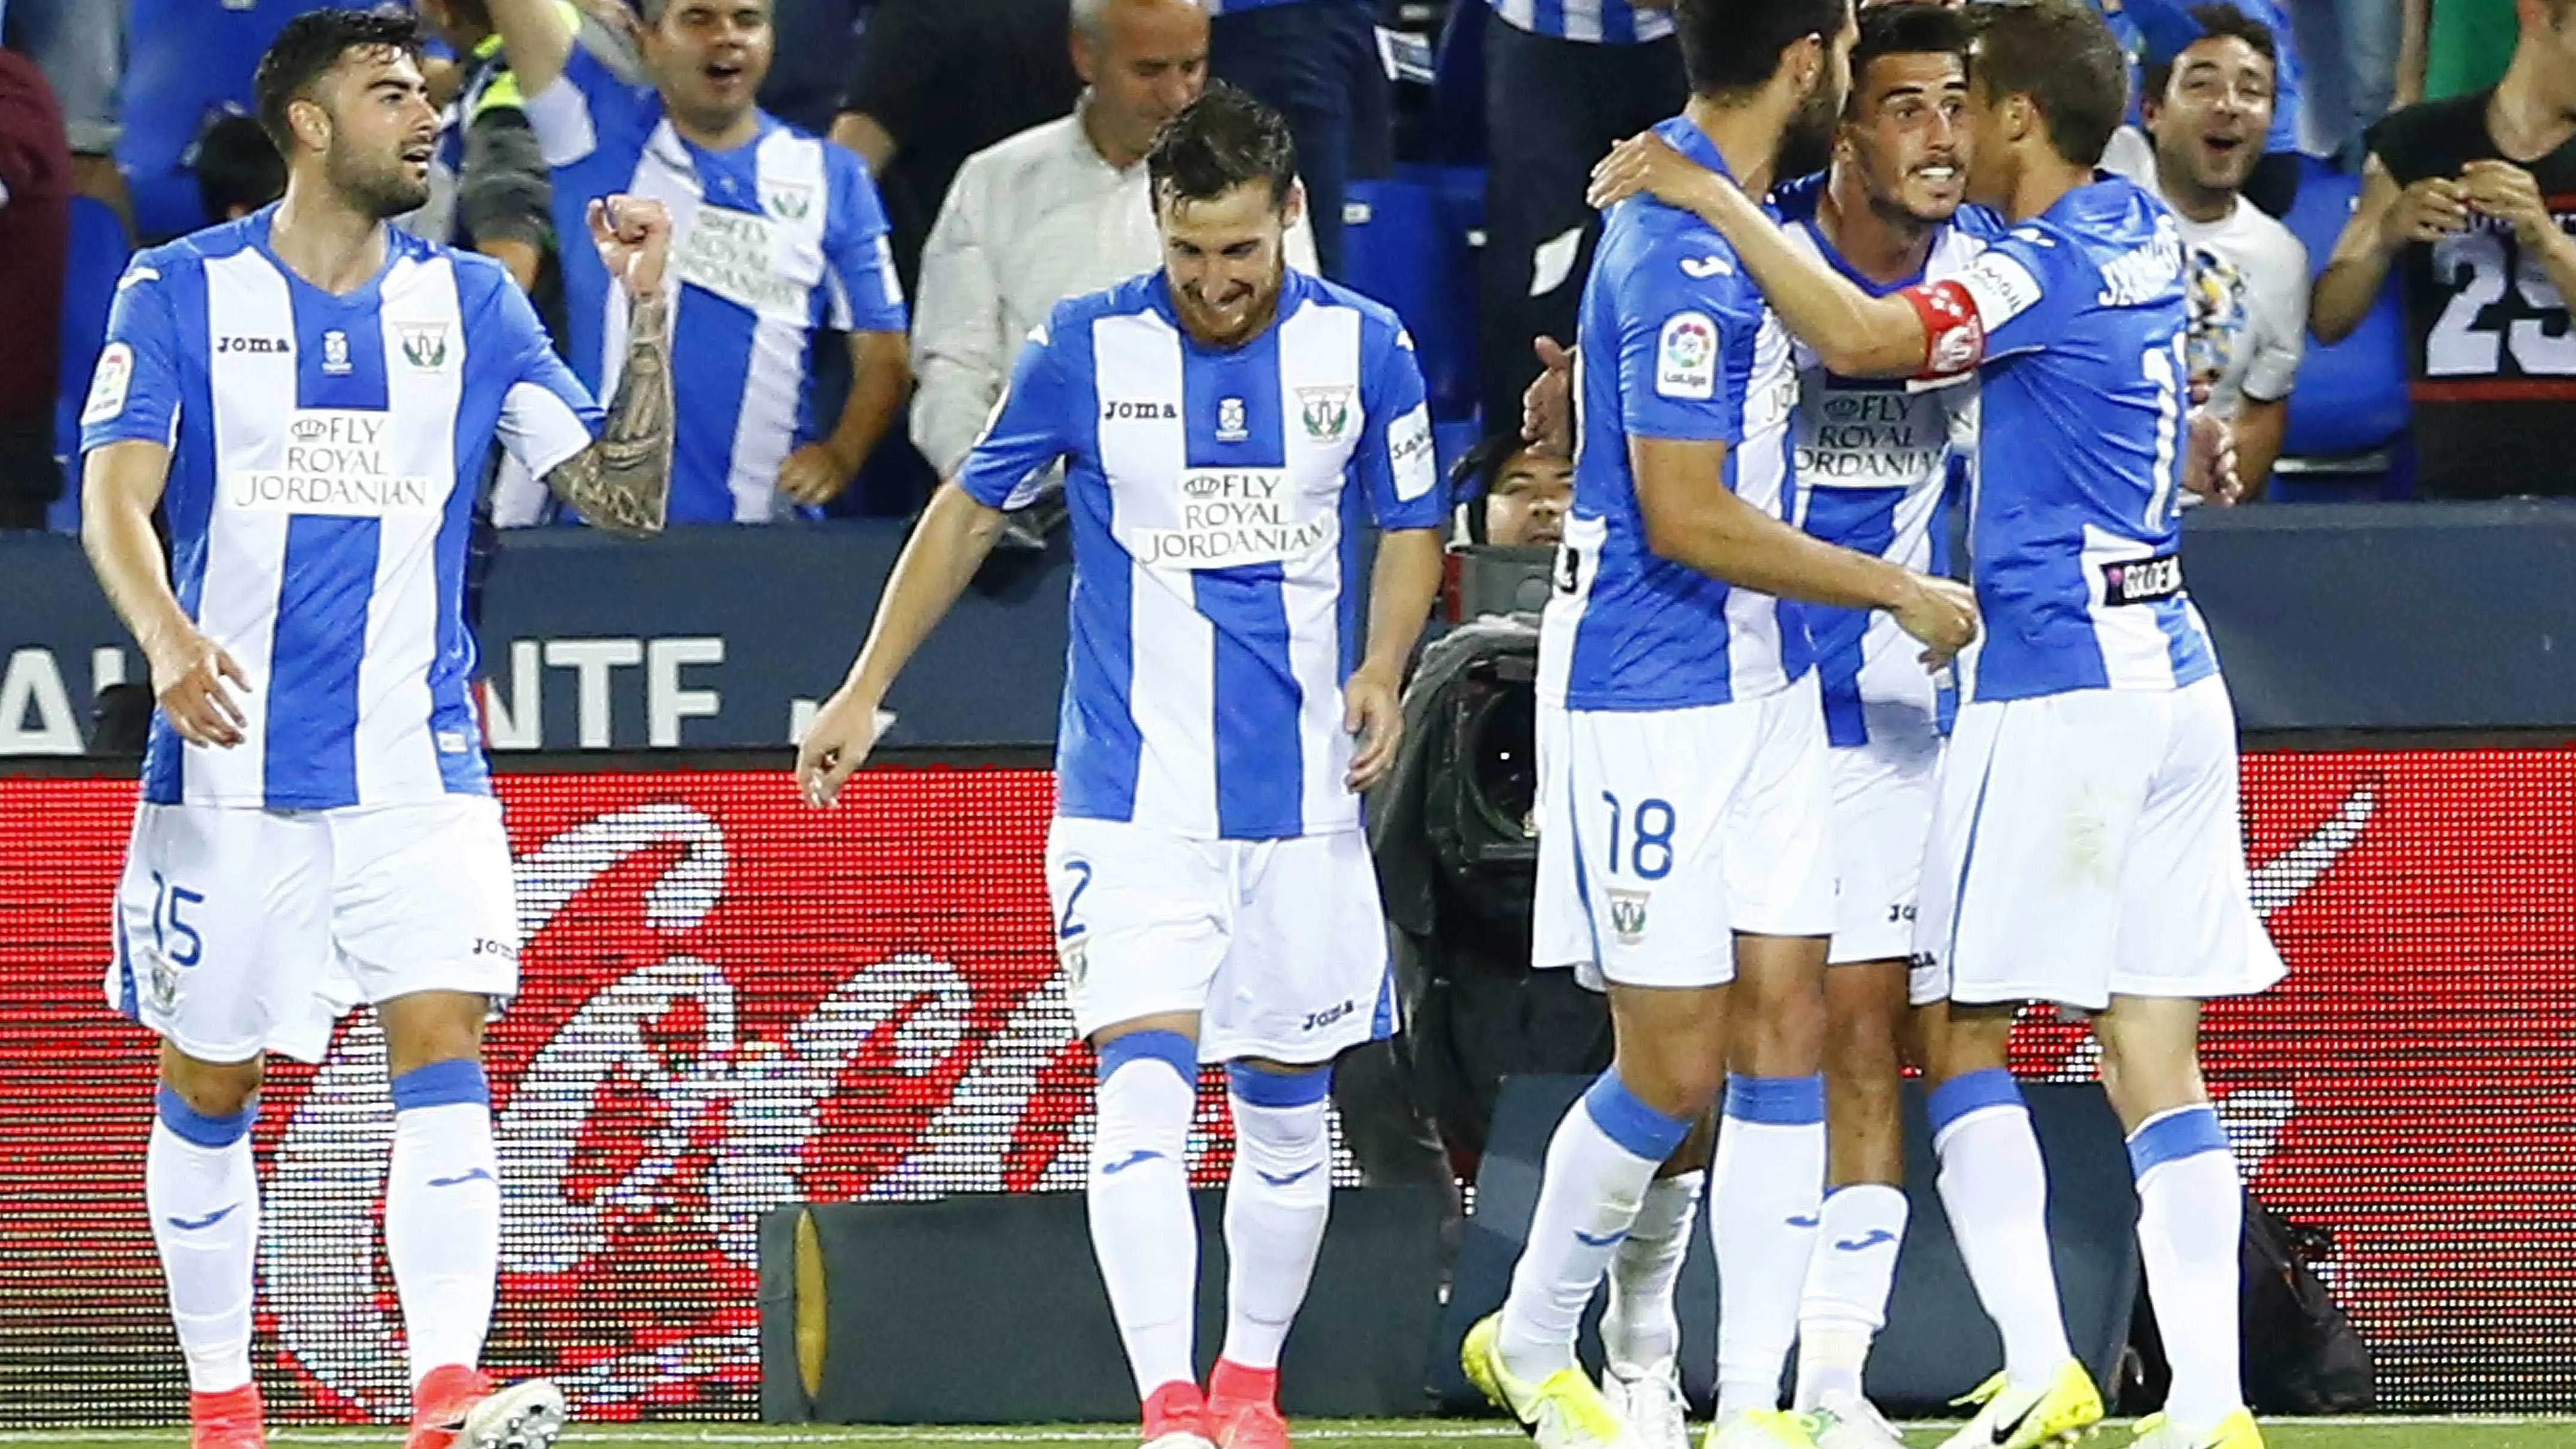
(2365, 1433)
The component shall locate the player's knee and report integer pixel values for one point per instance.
(1680, 1084)
(1968, 1039)
(1780, 1030)
(210, 1089)
(432, 1026)
(2147, 1071)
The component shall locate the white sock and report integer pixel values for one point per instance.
(1599, 1163)
(1276, 1204)
(1848, 1282)
(2191, 1218)
(201, 1187)
(443, 1213)
(1994, 1186)
(1142, 1231)
(1764, 1196)
(1640, 1332)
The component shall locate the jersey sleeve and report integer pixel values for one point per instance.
(134, 393)
(2016, 296)
(1029, 430)
(547, 416)
(1396, 466)
(586, 103)
(1678, 315)
(858, 255)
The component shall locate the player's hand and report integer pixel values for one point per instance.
(1940, 612)
(836, 743)
(2506, 192)
(815, 473)
(1648, 163)
(634, 240)
(2427, 211)
(1372, 710)
(1547, 407)
(188, 679)
(2209, 461)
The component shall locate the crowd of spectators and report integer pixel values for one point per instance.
(1002, 144)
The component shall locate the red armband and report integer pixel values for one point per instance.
(1954, 337)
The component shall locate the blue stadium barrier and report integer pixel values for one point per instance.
(186, 61)
(2349, 409)
(1408, 243)
(99, 249)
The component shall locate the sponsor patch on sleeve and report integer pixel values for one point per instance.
(1686, 358)
(109, 385)
(2001, 287)
(1409, 455)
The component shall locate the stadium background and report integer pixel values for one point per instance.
(733, 1002)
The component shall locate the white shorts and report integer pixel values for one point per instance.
(2089, 845)
(1883, 795)
(1663, 833)
(1278, 945)
(243, 931)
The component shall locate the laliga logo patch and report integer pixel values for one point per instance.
(109, 385)
(1686, 357)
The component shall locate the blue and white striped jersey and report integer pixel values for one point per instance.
(1218, 501)
(1675, 342)
(1603, 22)
(772, 242)
(324, 454)
(2076, 528)
(1874, 460)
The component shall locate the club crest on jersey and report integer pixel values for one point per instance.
(1230, 427)
(788, 200)
(335, 353)
(1628, 915)
(424, 345)
(1326, 412)
(1686, 357)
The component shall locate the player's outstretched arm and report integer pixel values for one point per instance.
(1693, 521)
(535, 38)
(121, 483)
(622, 482)
(1854, 333)
(946, 548)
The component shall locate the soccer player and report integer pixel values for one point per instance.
(310, 393)
(1684, 853)
(2085, 845)
(1227, 426)
(777, 237)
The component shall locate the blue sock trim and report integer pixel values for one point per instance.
(1959, 1096)
(2184, 1132)
(1278, 1089)
(1626, 1119)
(1170, 1047)
(442, 1084)
(1776, 1101)
(192, 1126)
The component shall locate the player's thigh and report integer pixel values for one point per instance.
(422, 899)
(1560, 922)
(2038, 805)
(222, 930)
(1305, 976)
(1141, 919)
(1776, 834)
(1648, 795)
(1883, 797)
(2188, 927)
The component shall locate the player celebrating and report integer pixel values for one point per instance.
(1685, 791)
(310, 393)
(1220, 420)
(2096, 712)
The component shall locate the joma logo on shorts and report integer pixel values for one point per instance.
(1317, 1020)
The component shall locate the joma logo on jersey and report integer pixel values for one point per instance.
(1138, 412)
(263, 345)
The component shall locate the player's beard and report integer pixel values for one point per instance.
(380, 191)
(1807, 144)
(1256, 312)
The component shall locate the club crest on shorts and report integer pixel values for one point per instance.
(1326, 412)
(1628, 915)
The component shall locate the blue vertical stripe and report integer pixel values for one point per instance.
(1098, 748)
(710, 367)
(187, 501)
(330, 569)
(2186, 647)
(1260, 767)
(1864, 520)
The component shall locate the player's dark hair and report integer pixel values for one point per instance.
(1912, 29)
(2062, 56)
(310, 45)
(237, 166)
(2217, 22)
(1730, 47)
(1217, 143)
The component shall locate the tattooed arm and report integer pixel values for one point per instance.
(622, 482)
